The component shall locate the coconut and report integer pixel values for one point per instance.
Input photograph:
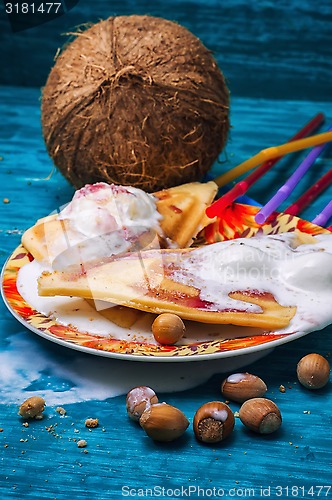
(135, 100)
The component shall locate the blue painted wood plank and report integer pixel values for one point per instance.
(273, 49)
(43, 460)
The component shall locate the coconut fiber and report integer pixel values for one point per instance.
(135, 100)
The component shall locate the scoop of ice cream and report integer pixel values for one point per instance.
(103, 208)
(104, 219)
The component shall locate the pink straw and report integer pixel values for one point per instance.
(285, 190)
(322, 218)
(312, 193)
(242, 187)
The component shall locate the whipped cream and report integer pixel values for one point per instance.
(104, 220)
(299, 276)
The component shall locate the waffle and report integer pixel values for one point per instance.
(183, 210)
(119, 315)
(47, 238)
(144, 281)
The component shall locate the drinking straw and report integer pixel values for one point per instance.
(285, 190)
(312, 193)
(242, 187)
(270, 154)
(322, 218)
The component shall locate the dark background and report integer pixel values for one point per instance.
(266, 48)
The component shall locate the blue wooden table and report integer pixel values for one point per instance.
(42, 460)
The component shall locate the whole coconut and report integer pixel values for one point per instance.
(135, 100)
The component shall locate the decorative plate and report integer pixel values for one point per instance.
(237, 222)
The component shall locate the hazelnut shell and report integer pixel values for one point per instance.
(242, 386)
(168, 328)
(138, 399)
(260, 415)
(213, 422)
(313, 371)
(163, 422)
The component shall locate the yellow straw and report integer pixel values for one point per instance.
(270, 154)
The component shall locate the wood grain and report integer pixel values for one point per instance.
(43, 460)
(279, 50)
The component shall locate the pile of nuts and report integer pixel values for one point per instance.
(214, 421)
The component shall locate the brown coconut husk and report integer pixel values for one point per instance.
(135, 100)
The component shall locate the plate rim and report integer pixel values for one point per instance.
(242, 351)
(239, 215)
(155, 359)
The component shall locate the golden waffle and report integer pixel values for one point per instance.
(47, 238)
(183, 210)
(144, 281)
(120, 315)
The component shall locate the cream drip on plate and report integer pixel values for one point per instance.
(77, 313)
(297, 276)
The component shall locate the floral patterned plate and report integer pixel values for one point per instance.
(238, 221)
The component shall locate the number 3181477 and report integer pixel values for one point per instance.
(302, 491)
(33, 8)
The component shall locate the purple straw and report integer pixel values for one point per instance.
(285, 190)
(322, 218)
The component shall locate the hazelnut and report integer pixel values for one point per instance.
(260, 415)
(242, 386)
(138, 399)
(168, 328)
(32, 408)
(163, 422)
(313, 371)
(213, 422)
